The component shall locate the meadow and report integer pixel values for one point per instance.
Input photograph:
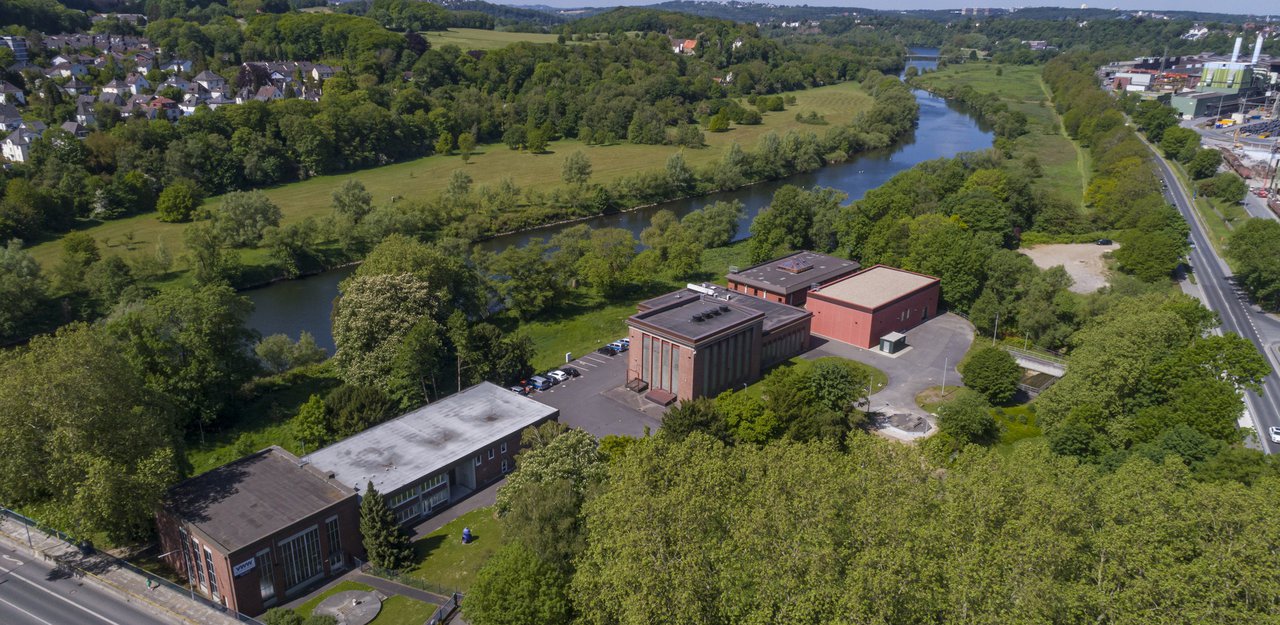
(489, 164)
(1065, 164)
(477, 39)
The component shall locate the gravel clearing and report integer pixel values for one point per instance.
(1083, 262)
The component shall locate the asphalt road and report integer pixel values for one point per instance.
(33, 593)
(1233, 306)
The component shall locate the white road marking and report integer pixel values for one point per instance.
(25, 612)
(57, 596)
(12, 559)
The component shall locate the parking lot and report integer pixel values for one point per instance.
(596, 402)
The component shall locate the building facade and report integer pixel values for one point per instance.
(872, 303)
(704, 339)
(787, 280)
(257, 532)
(432, 457)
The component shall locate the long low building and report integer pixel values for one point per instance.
(428, 459)
(871, 304)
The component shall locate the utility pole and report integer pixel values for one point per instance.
(945, 362)
(996, 330)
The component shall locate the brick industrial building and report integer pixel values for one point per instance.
(788, 279)
(864, 307)
(428, 459)
(258, 531)
(704, 339)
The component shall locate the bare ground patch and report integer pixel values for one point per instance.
(1083, 262)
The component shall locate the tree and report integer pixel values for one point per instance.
(1151, 256)
(1204, 164)
(694, 415)
(466, 145)
(783, 226)
(311, 425)
(523, 278)
(385, 542)
(23, 297)
(1227, 186)
(178, 200)
(444, 145)
(572, 455)
(992, 372)
(243, 216)
(606, 258)
(967, 419)
(577, 169)
(208, 253)
(352, 409)
(80, 429)
(352, 201)
(370, 319)
(516, 587)
(279, 354)
(1254, 246)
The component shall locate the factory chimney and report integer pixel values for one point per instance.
(1235, 54)
(1257, 49)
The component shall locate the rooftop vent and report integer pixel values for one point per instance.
(733, 269)
(724, 308)
(714, 312)
(795, 265)
(697, 317)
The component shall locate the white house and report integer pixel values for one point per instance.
(10, 94)
(16, 147)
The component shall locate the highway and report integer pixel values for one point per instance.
(1233, 307)
(33, 593)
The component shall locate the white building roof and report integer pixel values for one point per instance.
(875, 287)
(429, 439)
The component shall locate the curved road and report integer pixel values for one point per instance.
(1232, 305)
(33, 593)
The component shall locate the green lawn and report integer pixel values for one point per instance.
(444, 562)
(427, 176)
(477, 39)
(1065, 164)
(396, 610)
(930, 399)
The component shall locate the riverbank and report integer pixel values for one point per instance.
(428, 177)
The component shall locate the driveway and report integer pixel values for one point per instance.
(594, 402)
(938, 343)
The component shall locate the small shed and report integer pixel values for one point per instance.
(893, 342)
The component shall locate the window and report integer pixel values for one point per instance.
(266, 576)
(436, 481)
(505, 466)
(406, 514)
(400, 498)
(478, 460)
(491, 453)
(336, 561)
(213, 579)
(504, 447)
(438, 499)
(195, 550)
(300, 557)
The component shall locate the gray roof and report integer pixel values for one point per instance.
(673, 313)
(239, 503)
(431, 438)
(794, 272)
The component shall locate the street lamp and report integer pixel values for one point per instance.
(185, 561)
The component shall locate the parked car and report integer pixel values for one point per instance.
(1275, 433)
(626, 340)
(609, 350)
(619, 346)
(1104, 241)
(540, 383)
(523, 390)
(572, 372)
(558, 375)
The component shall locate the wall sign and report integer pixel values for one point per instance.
(244, 567)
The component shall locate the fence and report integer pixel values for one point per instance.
(443, 612)
(87, 550)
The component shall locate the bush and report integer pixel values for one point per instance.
(992, 372)
(968, 419)
(178, 201)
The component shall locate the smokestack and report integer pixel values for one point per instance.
(1235, 54)
(1257, 49)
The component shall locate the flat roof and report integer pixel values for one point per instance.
(424, 441)
(242, 502)
(673, 312)
(794, 272)
(875, 287)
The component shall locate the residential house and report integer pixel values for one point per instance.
(137, 83)
(10, 94)
(268, 93)
(117, 88)
(16, 147)
(144, 61)
(10, 118)
(211, 82)
(76, 87)
(66, 70)
(77, 129)
(321, 73)
(684, 46)
(84, 114)
(177, 66)
(162, 107)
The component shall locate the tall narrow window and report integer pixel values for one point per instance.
(195, 550)
(675, 369)
(336, 560)
(300, 557)
(213, 577)
(266, 576)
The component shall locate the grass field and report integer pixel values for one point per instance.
(396, 610)
(427, 176)
(443, 561)
(476, 39)
(1064, 163)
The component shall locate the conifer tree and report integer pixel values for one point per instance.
(386, 545)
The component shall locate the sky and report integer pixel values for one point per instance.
(1256, 7)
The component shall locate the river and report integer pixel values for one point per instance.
(945, 129)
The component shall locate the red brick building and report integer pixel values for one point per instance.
(788, 279)
(704, 339)
(259, 531)
(862, 308)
